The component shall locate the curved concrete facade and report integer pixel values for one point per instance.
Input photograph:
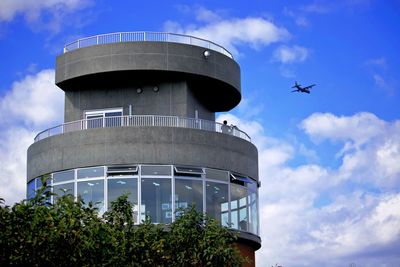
(123, 79)
(144, 145)
(216, 80)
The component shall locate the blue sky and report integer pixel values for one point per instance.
(329, 161)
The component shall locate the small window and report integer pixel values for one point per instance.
(90, 172)
(241, 180)
(156, 170)
(188, 171)
(122, 170)
(103, 113)
(217, 175)
(103, 118)
(63, 176)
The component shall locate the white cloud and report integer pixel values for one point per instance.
(31, 105)
(290, 54)
(299, 18)
(253, 31)
(381, 75)
(371, 147)
(380, 62)
(355, 225)
(34, 101)
(34, 10)
(319, 8)
(358, 128)
(384, 84)
(206, 15)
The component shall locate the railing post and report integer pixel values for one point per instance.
(104, 122)
(144, 36)
(97, 39)
(120, 37)
(152, 117)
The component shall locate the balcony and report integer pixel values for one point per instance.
(142, 121)
(120, 37)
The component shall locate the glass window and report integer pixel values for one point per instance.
(239, 207)
(117, 171)
(62, 189)
(109, 117)
(191, 171)
(156, 200)
(90, 172)
(113, 119)
(118, 187)
(156, 170)
(92, 191)
(94, 121)
(30, 193)
(217, 202)
(217, 175)
(47, 179)
(188, 192)
(63, 176)
(253, 214)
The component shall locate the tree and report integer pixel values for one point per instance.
(69, 233)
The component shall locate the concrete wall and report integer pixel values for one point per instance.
(151, 145)
(172, 99)
(217, 78)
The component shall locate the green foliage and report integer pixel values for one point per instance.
(68, 233)
(199, 240)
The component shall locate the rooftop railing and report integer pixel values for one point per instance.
(119, 37)
(142, 121)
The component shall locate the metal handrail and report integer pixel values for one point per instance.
(118, 37)
(142, 121)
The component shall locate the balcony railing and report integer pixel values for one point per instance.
(142, 121)
(119, 37)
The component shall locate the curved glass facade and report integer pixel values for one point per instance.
(160, 191)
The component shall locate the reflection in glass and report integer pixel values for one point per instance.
(90, 172)
(117, 187)
(156, 170)
(217, 175)
(239, 207)
(156, 192)
(156, 200)
(30, 193)
(62, 189)
(253, 216)
(92, 191)
(217, 202)
(63, 176)
(188, 192)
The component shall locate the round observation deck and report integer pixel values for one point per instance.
(117, 60)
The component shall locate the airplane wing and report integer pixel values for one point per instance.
(309, 87)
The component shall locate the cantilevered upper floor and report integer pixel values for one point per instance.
(148, 73)
(145, 98)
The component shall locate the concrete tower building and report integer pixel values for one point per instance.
(140, 118)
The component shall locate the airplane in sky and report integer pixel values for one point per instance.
(301, 89)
